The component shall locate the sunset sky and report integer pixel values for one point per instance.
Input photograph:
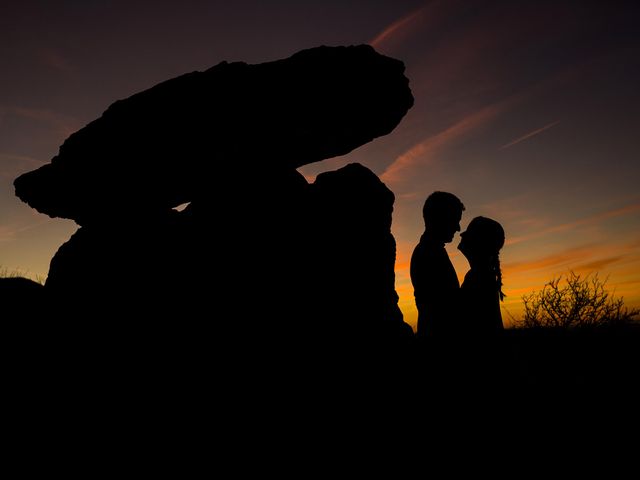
(529, 111)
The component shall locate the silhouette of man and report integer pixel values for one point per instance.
(435, 283)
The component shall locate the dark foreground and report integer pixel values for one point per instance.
(72, 398)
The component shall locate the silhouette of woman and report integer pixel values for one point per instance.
(481, 290)
(483, 352)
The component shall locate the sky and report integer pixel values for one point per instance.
(528, 111)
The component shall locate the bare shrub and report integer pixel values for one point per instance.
(576, 302)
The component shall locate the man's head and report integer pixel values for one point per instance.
(442, 212)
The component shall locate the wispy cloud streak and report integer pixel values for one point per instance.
(11, 164)
(10, 232)
(397, 27)
(423, 153)
(529, 135)
(64, 124)
(552, 261)
(594, 219)
(598, 264)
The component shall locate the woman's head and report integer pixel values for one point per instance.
(484, 237)
(481, 243)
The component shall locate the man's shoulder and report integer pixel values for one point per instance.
(429, 260)
(430, 244)
(429, 248)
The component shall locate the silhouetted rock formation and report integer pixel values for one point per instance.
(352, 259)
(173, 142)
(263, 277)
(117, 267)
(21, 297)
(24, 306)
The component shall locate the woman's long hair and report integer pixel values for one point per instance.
(490, 235)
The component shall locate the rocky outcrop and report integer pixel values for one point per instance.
(21, 298)
(180, 139)
(353, 256)
(262, 272)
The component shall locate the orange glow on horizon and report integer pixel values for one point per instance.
(526, 277)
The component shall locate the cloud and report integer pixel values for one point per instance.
(399, 27)
(425, 152)
(11, 165)
(63, 124)
(515, 209)
(591, 220)
(10, 232)
(554, 261)
(7, 233)
(591, 257)
(599, 264)
(529, 135)
(459, 76)
(469, 113)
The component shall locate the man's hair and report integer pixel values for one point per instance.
(440, 205)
